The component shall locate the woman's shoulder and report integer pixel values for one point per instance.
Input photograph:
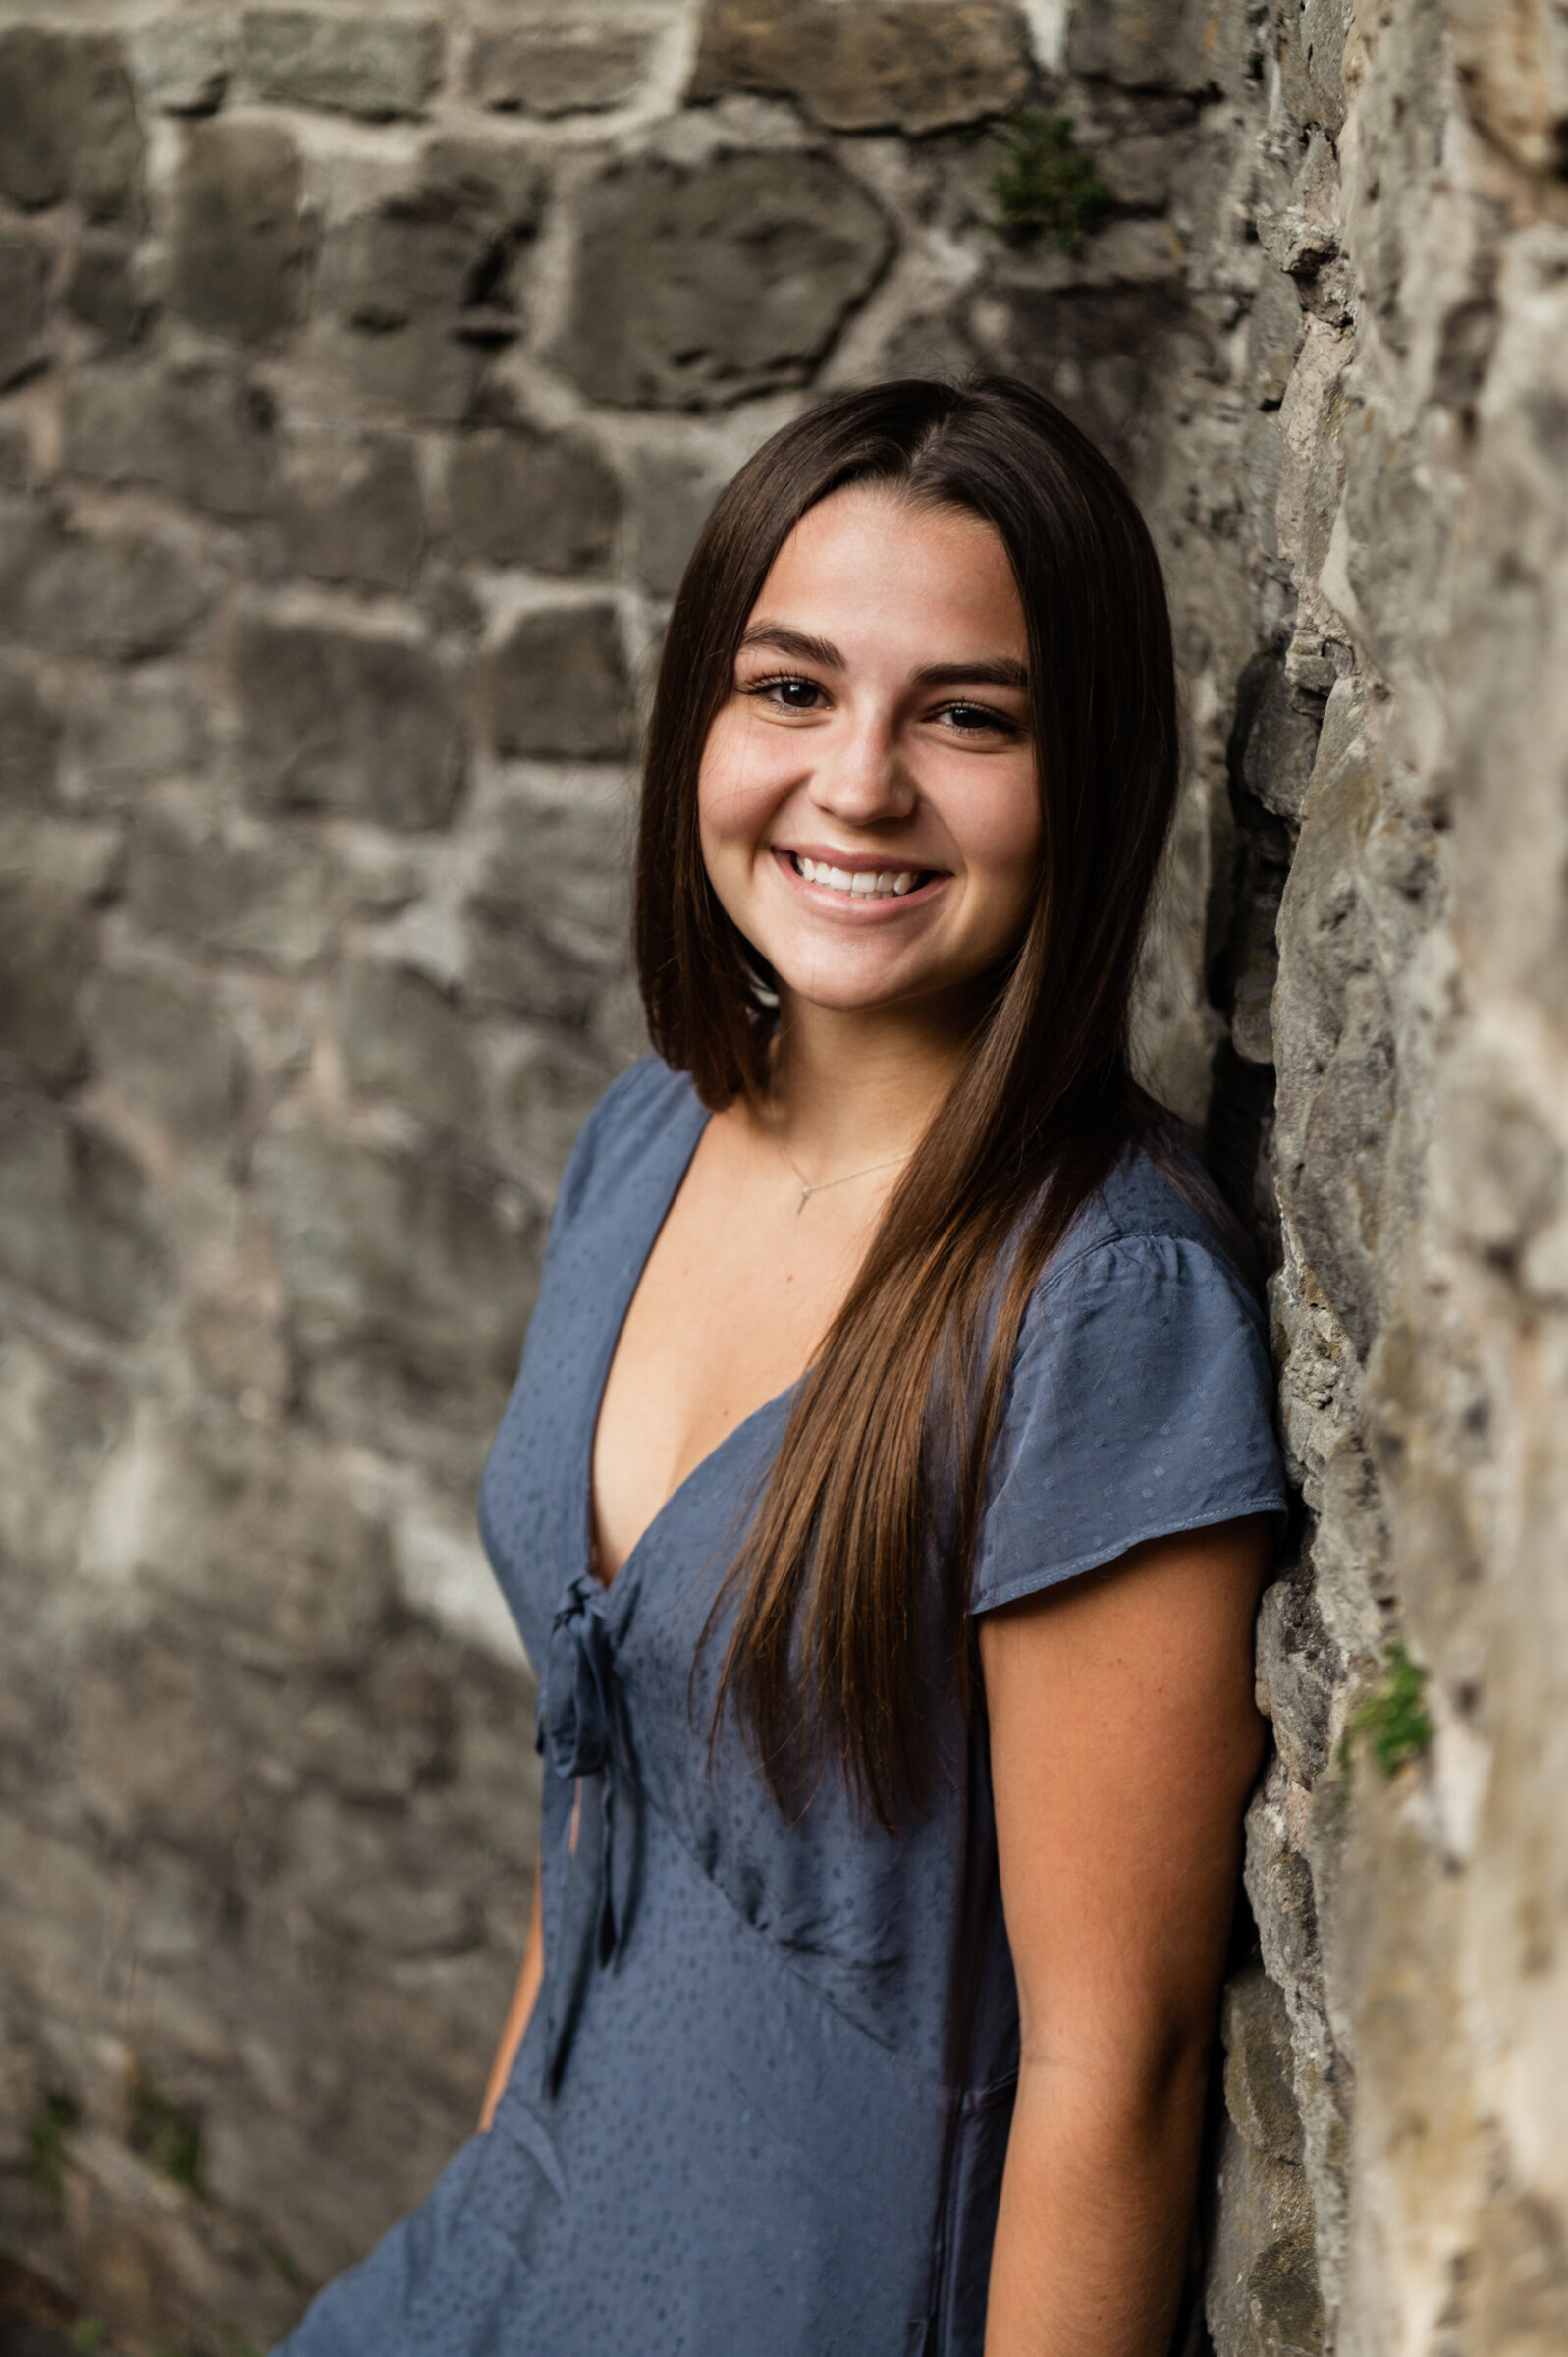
(1141, 1399)
(636, 1114)
(1155, 1215)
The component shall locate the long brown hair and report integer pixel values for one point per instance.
(885, 1454)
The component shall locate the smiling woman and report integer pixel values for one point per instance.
(886, 1490)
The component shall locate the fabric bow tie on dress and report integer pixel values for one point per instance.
(585, 1741)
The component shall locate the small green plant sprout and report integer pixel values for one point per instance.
(1047, 187)
(169, 2138)
(48, 2132)
(1393, 1716)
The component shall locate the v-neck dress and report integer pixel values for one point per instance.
(762, 2103)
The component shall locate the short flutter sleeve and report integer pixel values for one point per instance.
(1140, 1405)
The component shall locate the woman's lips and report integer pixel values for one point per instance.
(858, 882)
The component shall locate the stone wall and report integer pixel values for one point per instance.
(365, 375)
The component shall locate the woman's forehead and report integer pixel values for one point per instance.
(867, 558)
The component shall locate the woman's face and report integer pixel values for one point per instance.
(867, 799)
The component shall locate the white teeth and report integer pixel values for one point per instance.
(861, 883)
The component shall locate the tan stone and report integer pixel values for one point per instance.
(901, 65)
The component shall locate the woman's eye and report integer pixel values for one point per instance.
(792, 695)
(978, 720)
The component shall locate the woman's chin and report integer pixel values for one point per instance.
(858, 991)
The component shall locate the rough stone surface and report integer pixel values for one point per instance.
(700, 286)
(347, 720)
(127, 595)
(375, 66)
(234, 890)
(197, 429)
(522, 498)
(24, 272)
(30, 737)
(403, 1037)
(352, 441)
(352, 508)
(243, 243)
(75, 1223)
(559, 686)
(896, 65)
(46, 948)
(105, 290)
(552, 62)
(67, 123)
(181, 63)
(423, 285)
(171, 1045)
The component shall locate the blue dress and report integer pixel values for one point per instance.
(762, 2103)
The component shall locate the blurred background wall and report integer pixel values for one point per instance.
(364, 377)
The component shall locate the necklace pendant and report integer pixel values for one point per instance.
(801, 1205)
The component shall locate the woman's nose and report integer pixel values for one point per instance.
(861, 774)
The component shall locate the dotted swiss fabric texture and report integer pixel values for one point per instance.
(762, 2103)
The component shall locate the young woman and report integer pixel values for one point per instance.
(888, 1484)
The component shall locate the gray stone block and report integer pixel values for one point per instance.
(698, 287)
(549, 63)
(423, 370)
(347, 720)
(400, 1252)
(423, 285)
(30, 737)
(383, 269)
(496, 182)
(105, 292)
(1260, 2071)
(171, 1045)
(67, 123)
(672, 499)
(127, 729)
(46, 947)
(547, 921)
(1262, 2296)
(122, 594)
(1279, 748)
(196, 428)
(888, 65)
(1141, 46)
(1097, 350)
(352, 509)
(559, 688)
(1300, 1669)
(27, 265)
(76, 1223)
(242, 245)
(181, 64)
(376, 66)
(523, 497)
(261, 895)
(403, 1037)
(549, 1090)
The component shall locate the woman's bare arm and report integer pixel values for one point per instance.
(521, 2005)
(1124, 1739)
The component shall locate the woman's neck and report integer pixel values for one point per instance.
(854, 1086)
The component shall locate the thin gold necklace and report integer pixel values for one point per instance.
(816, 1187)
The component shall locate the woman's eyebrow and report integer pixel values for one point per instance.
(779, 636)
(993, 671)
(996, 671)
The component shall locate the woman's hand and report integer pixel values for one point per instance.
(1124, 1739)
(521, 2005)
